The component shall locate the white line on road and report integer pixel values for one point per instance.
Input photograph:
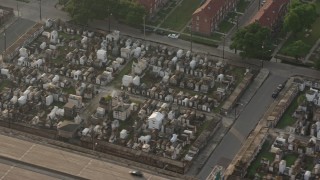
(85, 167)
(11, 167)
(33, 145)
(5, 174)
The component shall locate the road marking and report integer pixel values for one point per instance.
(11, 167)
(85, 167)
(237, 134)
(5, 174)
(33, 145)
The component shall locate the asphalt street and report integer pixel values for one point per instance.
(14, 31)
(31, 10)
(53, 162)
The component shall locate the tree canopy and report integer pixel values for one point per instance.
(301, 15)
(253, 41)
(83, 11)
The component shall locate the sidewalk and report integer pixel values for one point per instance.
(314, 47)
(275, 52)
(227, 123)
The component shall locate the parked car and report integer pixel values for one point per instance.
(160, 32)
(280, 87)
(173, 36)
(136, 173)
(275, 93)
(147, 30)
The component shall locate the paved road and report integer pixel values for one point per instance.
(59, 160)
(32, 170)
(20, 173)
(31, 10)
(242, 127)
(14, 31)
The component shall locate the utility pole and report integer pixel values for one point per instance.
(40, 10)
(18, 8)
(224, 43)
(191, 38)
(144, 27)
(237, 22)
(109, 21)
(109, 17)
(5, 38)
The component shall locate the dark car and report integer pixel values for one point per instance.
(147, 30)
(161, 32)
(275, 93)
(136, 173)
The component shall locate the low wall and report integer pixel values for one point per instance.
(237, 93)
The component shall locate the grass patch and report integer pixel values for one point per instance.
(181, 15)
(225, 26)
(59, 60)
(214, 37)
(287, 119)
(200, 40)
(25, 1)
(264, 153)
(58, 103)
(69, 90)
(242, 6)
(149, 79)
(238, 73)
(5, 83)
(290, 159)
(117, 81)
(68, 37)
(217, 36)
(309, 163)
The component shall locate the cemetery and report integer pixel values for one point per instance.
(165, 110)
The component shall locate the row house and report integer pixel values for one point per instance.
(152, 6)
(206, 18)
(271, 14)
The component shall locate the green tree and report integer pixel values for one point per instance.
(297, 49)
(292, 22)
(253, 41)
(80, 11)
(300, 16)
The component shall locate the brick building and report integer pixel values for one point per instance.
(207, 17)
(271, 14)
(152, 6)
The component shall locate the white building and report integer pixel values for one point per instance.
(102, 55)
(155, 120)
